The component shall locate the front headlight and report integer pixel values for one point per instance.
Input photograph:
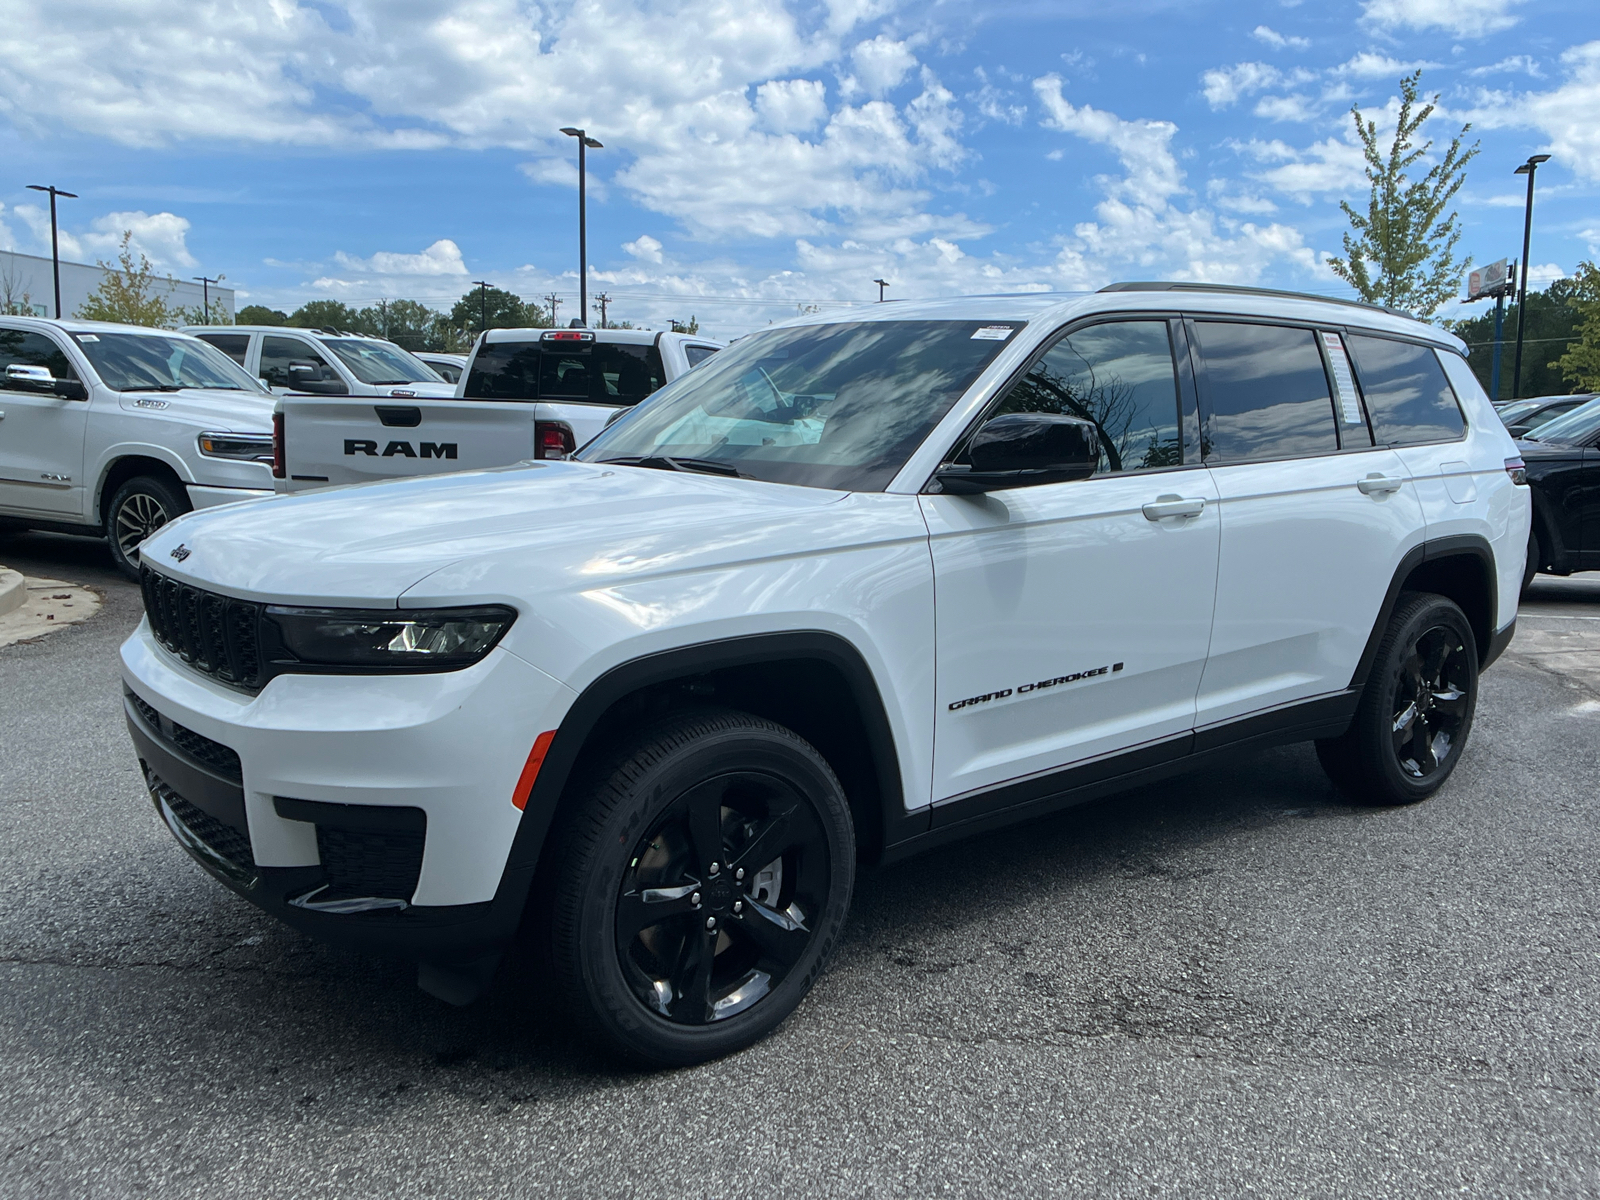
(443, 639)
(244, 447)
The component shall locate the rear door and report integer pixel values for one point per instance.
(1315, 518)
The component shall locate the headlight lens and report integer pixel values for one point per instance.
(246, 447)
(444, 639)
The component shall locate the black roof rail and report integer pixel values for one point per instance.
(1240, 290)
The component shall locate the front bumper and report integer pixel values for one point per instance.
(370, 811)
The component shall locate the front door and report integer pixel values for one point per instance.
(41, 434)
(1073, 618)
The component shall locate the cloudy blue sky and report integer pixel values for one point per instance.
(761, 156)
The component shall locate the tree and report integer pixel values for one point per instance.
(260, 314)
(1402, 253)
(325, 314)
(692, 325)
(15, 298)
(131, 292)
(1580, 365)
(407, 323)
(505, 310)
(1552, 322)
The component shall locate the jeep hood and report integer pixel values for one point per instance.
(557, 526)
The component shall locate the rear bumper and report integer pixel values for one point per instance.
(374, 813)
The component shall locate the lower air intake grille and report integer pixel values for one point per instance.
(213, 754)
(368, 862)
(224, 839)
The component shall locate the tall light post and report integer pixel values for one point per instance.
(55, 250)
(585, 143)
(483, 294)
(882, 283)
(1528, 168)
(205, 292)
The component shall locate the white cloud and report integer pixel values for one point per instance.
(644, 247)
(1544, 276)
(1286, 108)
(1520, 64)
(1461, 18)
(792, 105)
(441, 258)
(1564, 114)
(161, 237)
(1224, 86)
(1371, 65)
(1272, 37)
(881, 64)
(1329, 168)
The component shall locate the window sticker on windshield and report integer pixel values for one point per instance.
(993, 333)
(1344, 381)
(87, 337)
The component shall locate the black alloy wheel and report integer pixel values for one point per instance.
(1416, 711)
(138, 508)
(701, 887)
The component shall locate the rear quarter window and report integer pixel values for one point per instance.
(1408, 397)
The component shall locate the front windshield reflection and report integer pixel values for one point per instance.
(135, 362)
(840, 405)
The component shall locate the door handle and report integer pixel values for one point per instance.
(1173, 506)
(1377, 485)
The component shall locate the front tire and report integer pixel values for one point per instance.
(700, 888)
(1415, 714)
(138, 508)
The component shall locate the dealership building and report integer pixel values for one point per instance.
(27, 289)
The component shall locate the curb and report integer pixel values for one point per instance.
(13, 590)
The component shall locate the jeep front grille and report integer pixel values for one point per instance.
(216, 635)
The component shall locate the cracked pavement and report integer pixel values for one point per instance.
(1226, 983)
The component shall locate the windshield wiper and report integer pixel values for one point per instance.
(661, 462)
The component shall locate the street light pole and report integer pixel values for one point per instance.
(882, 283)
(585, 142)
(55, 250)
(483, 323)
(205, 292)
(1528, 168)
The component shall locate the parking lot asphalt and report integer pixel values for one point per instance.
(1229, 983)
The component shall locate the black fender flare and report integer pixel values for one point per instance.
(1469, 545)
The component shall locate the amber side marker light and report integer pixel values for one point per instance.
(530, 769)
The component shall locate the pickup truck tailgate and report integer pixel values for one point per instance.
(328, 441)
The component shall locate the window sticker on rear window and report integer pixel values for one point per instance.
(1344, 380)
(993, 333)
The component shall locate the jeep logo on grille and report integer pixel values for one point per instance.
(404, 449)
(180, 552)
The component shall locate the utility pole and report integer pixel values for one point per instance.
(585, 142)
(882, 283)
(55, 249)
(205, 293)
(554, 300)
(1528, 168)
(383, 311)
(600, 302)
(483, 325)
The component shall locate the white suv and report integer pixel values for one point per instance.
(116, 429)
(863, 584)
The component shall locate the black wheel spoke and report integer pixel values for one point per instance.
(692, 982)
(782, 936)
(705, 825)
(767, 845)
(639, 910)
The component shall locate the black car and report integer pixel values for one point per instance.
(1563, 464)
(1522, 417)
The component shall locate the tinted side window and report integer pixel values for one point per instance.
(32, 350)
(504, 371)
(627, 373)
(232, 344)
(278, 352)
(698, 354)
(1407, 393)
(1267, 391)
(1118, 375)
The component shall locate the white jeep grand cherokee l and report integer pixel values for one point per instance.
(863, 584)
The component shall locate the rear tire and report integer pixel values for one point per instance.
(672, 944)
(138, 508)
(1415, 714)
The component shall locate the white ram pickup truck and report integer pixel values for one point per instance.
(324, 362)
(525, 394)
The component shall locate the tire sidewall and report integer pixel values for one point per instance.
(1425, 614)
(170, 498)
(624, 1020)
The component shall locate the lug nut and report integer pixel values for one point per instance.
(711, 922)
(695, 899)
(738, 906)
(739, 875)
(714, 868)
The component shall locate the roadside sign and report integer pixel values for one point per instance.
(1492, 280)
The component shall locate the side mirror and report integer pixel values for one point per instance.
(312, 377)
(31, 379)
(1022, 450)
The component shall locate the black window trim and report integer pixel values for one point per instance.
(1355, 366)
(1184, 396)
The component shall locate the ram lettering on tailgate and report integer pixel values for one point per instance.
(403, 449)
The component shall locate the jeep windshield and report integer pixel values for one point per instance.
(139, 362)
(831, 406)
(376, 362)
